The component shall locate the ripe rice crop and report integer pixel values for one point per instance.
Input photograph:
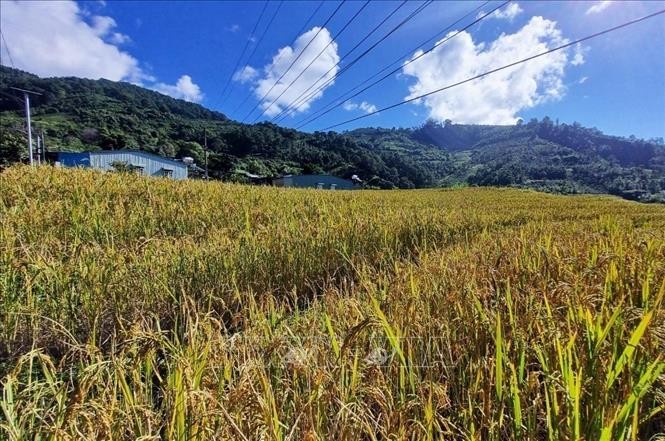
(136, 308)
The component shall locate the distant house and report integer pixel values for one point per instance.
(134, 160)
(328, 182)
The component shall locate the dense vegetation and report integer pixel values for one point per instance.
(568, 157)
(78, 114)
(136, 308)
(542, 155)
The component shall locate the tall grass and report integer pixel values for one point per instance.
(144, 308)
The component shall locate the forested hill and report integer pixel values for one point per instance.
(78, 114)
(543, 155)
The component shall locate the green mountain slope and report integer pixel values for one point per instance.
(77, 114)
(542, 155)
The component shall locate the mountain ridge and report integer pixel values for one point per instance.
(81, 114)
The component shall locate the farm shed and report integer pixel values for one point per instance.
(138, 161)
(328, 182)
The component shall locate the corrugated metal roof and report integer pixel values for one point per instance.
(141, 153)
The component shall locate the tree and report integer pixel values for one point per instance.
(192, 149)
(80, 114)
(312, 169)
(90, 135)
(122, 167)
(12, 146)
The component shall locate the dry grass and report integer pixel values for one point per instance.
(139, 308)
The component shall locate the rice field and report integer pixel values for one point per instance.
(134, 308)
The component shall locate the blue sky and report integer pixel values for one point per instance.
(188, 50)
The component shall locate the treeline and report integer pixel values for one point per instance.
(77, 114)
(547, 155)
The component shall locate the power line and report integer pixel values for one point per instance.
(14, 97)
(368, 50)
(296, 59)
(302, 99)
(293, 39)
(284, 111)
(345, 96)
(7, 49)
(265, 31)
(524, 60)
(256, 46)
(242, 54)
(302, 29)
(332, 40)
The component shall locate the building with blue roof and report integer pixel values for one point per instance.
(327, 182)
(138, 161)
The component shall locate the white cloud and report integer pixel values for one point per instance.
(582, 80)
(233, 28)
(64, 40)
(349, 106)
(497, 98)
(245, 75)
(364, 106)
(578, 55)
(184, 89)
(117, 38)
(59, 42)
(598, 7)
(367, 107)
(507, 13)
(283, 59)
(102, 25)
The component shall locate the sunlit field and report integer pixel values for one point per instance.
(136, 308)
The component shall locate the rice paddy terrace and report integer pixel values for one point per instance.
(145, 308)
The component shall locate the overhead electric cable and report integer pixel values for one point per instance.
(302, 29)
(368, 50)
(286, 109)
(256, 46)
(14, 97)
(341, 99)
(344, 96)
(332, 40)
(9, 54)
(515, 63)
(244, 50)
(295, 59)
(265, 31)
(304, 26)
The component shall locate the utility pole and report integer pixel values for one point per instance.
(43, 147)
(26, 96)
(205, 149)
(29, 125)
(39, 150)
